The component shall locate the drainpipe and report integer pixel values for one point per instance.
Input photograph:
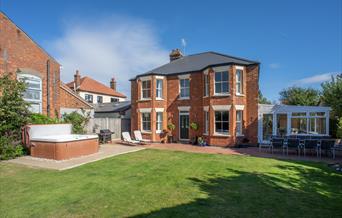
(48, 87)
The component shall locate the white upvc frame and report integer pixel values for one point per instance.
(206, 83)
(183, 77)
(221, 70)
(143, 79)
(159, 78)
(35, 79)
(221, 108)
(159, 121)
(206, 122)
(239, 69)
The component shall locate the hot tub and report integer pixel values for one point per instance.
(55, 141)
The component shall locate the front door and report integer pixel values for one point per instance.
(184, 126)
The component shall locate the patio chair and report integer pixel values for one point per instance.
(263, 144)
(293, 143)
(328, 146)
(138, 137)
(312, 144)
(127, 139)
(336, 148)
(277, 143)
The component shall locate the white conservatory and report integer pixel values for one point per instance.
(291, 120)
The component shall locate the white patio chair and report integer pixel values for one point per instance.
(138, 137)
(127, 138)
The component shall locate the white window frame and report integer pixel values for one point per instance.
(206, 85)
(159, 90)
(184, 88)
(222, 133)
(239, 123)
(27, 78)
(221, 82)
(145, 79)
(159, 121)
(89, 95)
(142, 121)
(315, 125)
(239, 81)
(206, 122)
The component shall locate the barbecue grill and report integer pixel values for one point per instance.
(105, 136)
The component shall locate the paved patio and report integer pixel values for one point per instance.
(250, 151)
(106, 150)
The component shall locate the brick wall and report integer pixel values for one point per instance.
(25, 55)
(68, 99)
(197, 103)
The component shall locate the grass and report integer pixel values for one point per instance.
(153, 183)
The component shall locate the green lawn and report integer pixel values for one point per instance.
(157, 183)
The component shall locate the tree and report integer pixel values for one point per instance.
(332, 94)
(262, 99)
(300, 96)
(14, 114)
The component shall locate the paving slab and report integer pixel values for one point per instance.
(105, 151)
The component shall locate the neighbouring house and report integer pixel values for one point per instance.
(95, 92)
(113, 110)
(216, 91)
(26, 60)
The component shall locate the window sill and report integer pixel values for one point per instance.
(207, 96)
(240, 135)
(144, 99)
(240, 95)
(221, 95)
(184, 98)
(206, 134)
(221, 135)
(159, 131)
(146, 132)
(159, 99)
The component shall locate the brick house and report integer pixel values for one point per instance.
(95, 92)
(216, 91)
(26, 60)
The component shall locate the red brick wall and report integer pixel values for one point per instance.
(197, 102)
(69, 100)
(24, 54)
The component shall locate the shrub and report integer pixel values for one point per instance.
(43, 119)
(194, 126)
(9, 150)
(78, 121)
(339, 128)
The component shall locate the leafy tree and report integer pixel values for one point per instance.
(262, 99)
(14, 114)
(300, 96)
(78, 121)
(332, 94)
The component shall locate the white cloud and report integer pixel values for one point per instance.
(111, 46)
(319, 78)
(274, 65)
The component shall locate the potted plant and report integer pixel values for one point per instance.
(194, 126)
(170, 127)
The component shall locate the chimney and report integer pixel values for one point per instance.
(113, 84)
(175, 54)
(77, 80)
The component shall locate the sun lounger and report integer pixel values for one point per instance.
(127, 139)
(138, 137)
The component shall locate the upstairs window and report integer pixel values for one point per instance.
(114, 100)
(99, 99)
(88, 98)
(33, 92)
(146, 121)
(206, 85)
(239, 82)
(221, 82)
(146, 89)
(159, 88)
(184, 88)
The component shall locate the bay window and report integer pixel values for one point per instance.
(146, 89)
(159, 88)
(159, 121)
(239, 122)
(221, 82)
(206, 122)
(146, 121)
(222, 122)
(239, 82)
(206, 85)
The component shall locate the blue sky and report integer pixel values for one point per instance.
(297, 42)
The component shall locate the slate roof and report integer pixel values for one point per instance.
(90, 85)
(197, 62)
(112, 107)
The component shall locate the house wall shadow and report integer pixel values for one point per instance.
(289, 191)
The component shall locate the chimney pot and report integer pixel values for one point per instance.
(77, 80)
(113, 84)
(175, 54)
